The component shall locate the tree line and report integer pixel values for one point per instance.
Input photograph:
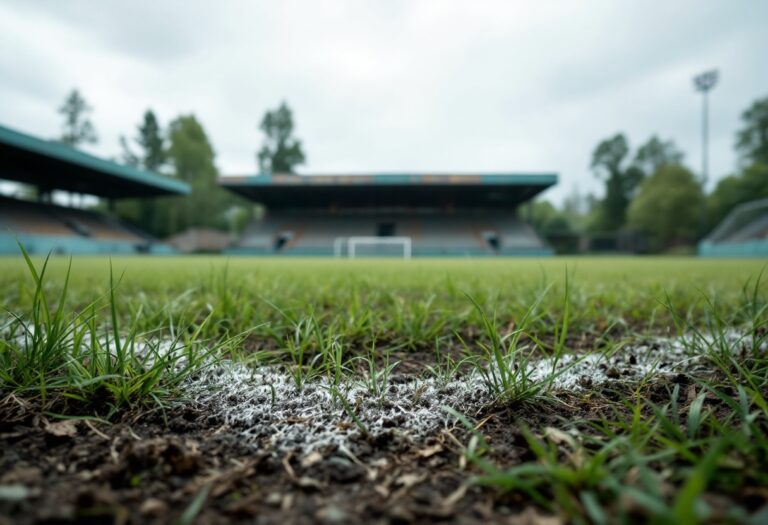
(183, 150)
(652, 192)
(649, 191)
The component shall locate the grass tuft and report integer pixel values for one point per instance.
(68, 359)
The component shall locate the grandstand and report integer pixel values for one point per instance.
(436, 215)
(44, 226)
(743, 233)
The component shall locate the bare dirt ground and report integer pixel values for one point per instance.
(187, 465)
(146, 471)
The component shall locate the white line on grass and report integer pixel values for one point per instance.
(267, 408)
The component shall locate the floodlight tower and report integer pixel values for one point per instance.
(703, 84)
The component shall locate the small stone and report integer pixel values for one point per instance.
(311, 459)
(332, 514)
(22, 475)
(90, 497)
(342, 470)
(273, 498)
(153, 507)
(14, 492)
(613, 372)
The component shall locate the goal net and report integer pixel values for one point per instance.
(354, 247)
(748, 221)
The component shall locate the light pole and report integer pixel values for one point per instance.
(703, 84)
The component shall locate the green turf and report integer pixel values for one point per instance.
(641, 456)
(409, 300)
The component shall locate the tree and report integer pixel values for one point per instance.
(751, 184)
(186, 153)
(192, 158)
(153, 155)
(752, 139)
(190, 151)
(77, 128)
(280, 153)
(668, 207)
(546, 218)
(608, 163)
(655, 154)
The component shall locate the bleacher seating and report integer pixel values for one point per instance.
(46, 227)
(464, 233)
(98, 226)
(26, 217)
(743, 233)
(758, 229)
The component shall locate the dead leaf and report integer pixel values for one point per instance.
(690, 393)
(380, 463)
(65, 428)
(559, 437)
(306, 482)
(430, 451)
(454, 497)
(409, 480)
(286, 461)
(96, 430)
(311, 459)
(531, 516)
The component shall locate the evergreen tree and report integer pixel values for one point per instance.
(152, 156)
(77, 127)
(280, 153)
(192, 157)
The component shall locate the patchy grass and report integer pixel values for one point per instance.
(457, 368)
(695, 457)
(85, 358)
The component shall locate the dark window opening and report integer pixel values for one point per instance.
(282, 240)
(385, 229)
(493, 240)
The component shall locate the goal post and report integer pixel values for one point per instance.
(353, 244)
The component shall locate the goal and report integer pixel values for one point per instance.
(372, 247)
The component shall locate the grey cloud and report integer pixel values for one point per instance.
(156, 31)
(429, 85)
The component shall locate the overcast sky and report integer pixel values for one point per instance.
(394, 85)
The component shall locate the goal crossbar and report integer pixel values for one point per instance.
(353, 243)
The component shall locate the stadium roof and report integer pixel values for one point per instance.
(56, 166)
(391, 189)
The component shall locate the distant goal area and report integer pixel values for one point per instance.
(391, 215)
(354, 247)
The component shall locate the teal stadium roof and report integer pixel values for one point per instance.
(55, 166)
(391, 189)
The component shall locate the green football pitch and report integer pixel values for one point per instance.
(585, 389)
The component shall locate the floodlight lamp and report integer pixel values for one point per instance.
(705, 81)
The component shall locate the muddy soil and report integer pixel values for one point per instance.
(186, 466)
(147, 470)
